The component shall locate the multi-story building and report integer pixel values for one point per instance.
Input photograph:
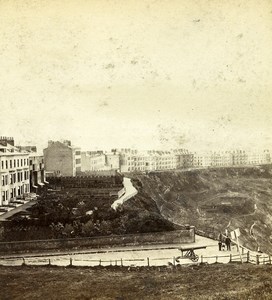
(259, 157)
(152, 160)
(239, 157)
(37, 172)
(184, 158)
(93, 161)
(201, 159)
(62, 159)
(14, 171)
(112, 160)
(221, 158)
(37, 178)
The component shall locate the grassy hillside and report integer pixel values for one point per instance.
(232, 281)
(215, 199)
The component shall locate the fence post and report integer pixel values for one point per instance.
(243, 250)
(174, 261)
(269, 258)
(49, 262)
(263, 260)
(248, 256)
(216, 259)
(24, 263)
(148, 261)
(122, 262)
(99, 262)
(71, 261)
(110, 262)
(230, 257)
(116, 262)
(257, 259)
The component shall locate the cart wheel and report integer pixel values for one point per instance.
(195, 258)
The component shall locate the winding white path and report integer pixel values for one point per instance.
(130, 192)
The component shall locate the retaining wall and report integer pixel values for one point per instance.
(170, 237)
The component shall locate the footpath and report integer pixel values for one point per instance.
(148, 255)
(130, 192)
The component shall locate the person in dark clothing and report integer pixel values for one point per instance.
(220, 239)
(228, 242)
(219, 245)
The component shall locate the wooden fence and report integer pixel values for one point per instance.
(249, 257)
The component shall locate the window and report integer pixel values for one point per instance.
(10, 179)
(3, 180)
(6, 164)
(24, 162)
(18, 162)
(10, 163)
(18, 176)
(14, 163)
(2, 162)
(3, 196)
(21, 162)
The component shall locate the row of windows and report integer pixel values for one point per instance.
(154, 158)
(13, 163)
(6, 195)
(12, 178)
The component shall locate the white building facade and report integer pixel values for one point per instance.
(14, 171)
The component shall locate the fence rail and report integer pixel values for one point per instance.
(248, 257)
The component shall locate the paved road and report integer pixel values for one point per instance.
(155, 255)
(200, 241)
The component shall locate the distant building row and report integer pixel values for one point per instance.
(231, 158)
(63, 159)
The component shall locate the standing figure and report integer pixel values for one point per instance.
(220, 239)
(219, 245)
(228, 242)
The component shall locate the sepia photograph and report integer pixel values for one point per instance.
(135, 149)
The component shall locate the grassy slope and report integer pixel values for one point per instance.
(215, 198)
(232, 281)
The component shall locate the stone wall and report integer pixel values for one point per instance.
(170, 237)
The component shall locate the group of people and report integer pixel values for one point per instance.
(224, 242)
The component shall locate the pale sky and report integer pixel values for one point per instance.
(143, 74)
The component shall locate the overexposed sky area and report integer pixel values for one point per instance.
(143, 74)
